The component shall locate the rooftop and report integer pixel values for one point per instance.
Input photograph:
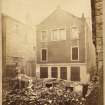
(60, 16)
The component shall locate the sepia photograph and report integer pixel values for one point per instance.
(52, 52)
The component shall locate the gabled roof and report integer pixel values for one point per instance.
(60, 16)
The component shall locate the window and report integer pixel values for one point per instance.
(75, 73)
(75, 53)
(62, 34)
(63, 73)
(55, 35)
(43, 36)
(43, 72)
(75, 33)
(58, 34)
(44, 55)
(54, 72)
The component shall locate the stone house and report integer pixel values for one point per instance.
(64, 47)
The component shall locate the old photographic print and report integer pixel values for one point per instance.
(52, 52)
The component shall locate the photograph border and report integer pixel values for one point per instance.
(103, 39)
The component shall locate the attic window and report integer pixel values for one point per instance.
(58, 34)
(43, 36)
(55, 35)
(75, 33)
(62, 34)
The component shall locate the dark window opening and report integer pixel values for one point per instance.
(44, 54)
(63, 73)
(75, 73)
(43, 72)
(75, 53)
(54, 72)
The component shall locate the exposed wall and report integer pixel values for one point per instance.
(60, 51)
(19, 39)
(99, 34)
(18, 47)
(97, 17)
(99, 44)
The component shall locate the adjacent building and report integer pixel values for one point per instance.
(64, 47)
(18, 44)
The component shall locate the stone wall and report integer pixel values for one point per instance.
(99, 34)
(97, 14)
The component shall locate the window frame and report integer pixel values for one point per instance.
(65, 33)
(41, 39)
(79, 73)
(46, 55)
(52, 35)
(53, 72)
(61, 77)
(58, 37)
(75, 27)
(44, 72)
(71, 53)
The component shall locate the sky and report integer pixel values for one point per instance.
(34, 11)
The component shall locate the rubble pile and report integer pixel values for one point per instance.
(54, 95)
(45, 97)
